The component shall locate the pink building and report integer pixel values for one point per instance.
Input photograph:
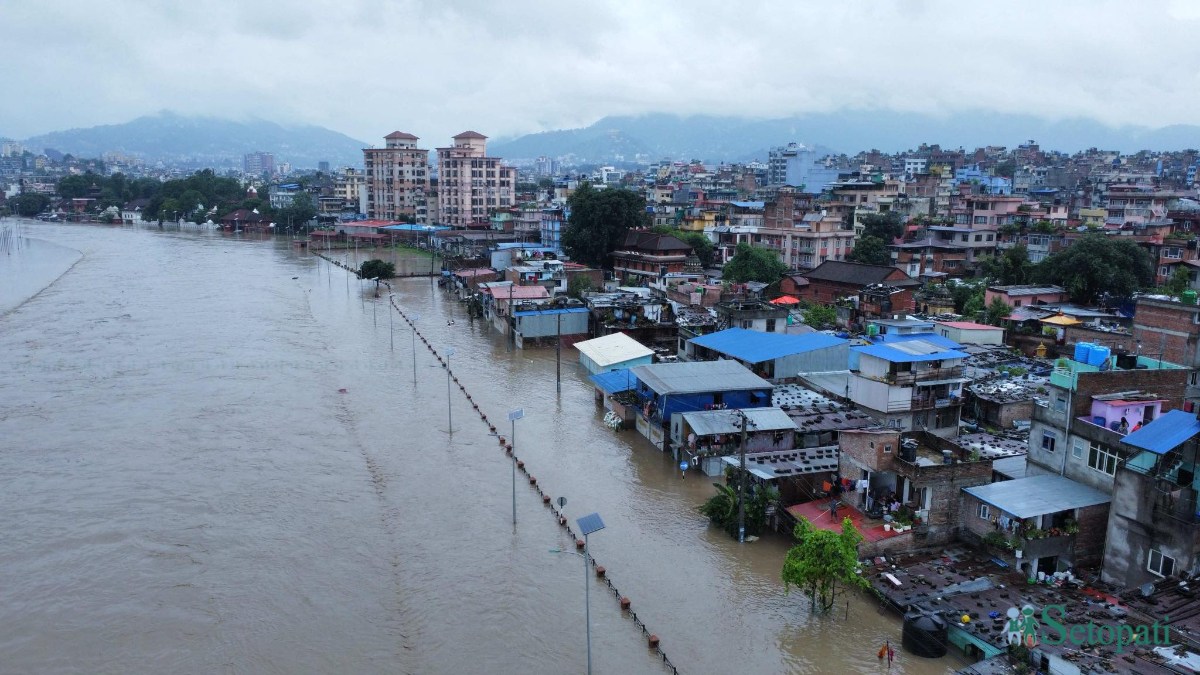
(397, 179)
(1025, 296)
(470, 183)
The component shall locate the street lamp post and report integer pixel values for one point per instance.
(415, 318)
(391, 326)
(588, 525)
(449, 413)
(513, 416)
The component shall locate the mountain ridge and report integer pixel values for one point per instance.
(715, 138)
(171, 137)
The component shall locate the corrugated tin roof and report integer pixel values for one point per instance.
(615, 348)
(754, 346)
(910, 351)
(712, 422)
(1165, 433)
(1036, 495)
(614, 380)
(699, 376)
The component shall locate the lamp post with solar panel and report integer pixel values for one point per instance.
(513, 416)
(449, 396)
(587, 525)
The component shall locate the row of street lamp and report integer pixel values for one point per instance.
(588, 524)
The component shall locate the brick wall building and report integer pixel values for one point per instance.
(1169, 327)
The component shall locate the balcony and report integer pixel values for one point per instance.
(930, 402)
(1047, 546)
(1179, 505)
(918, 377)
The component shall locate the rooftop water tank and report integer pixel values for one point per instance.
(925, 635)
(1099, 355)
(1082, 351)
(1188, 297)
(872, 330)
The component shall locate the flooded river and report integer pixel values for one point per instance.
(187, 488)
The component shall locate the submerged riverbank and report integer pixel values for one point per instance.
(28, 265)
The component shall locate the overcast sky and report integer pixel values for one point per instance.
(503, 67)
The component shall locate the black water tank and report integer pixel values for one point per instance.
(908, 453)
(925, 635)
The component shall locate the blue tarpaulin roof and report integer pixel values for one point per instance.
(1165, 433)
(614, 380)
(910, 351)
(754, 346)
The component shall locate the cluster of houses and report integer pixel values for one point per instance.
(931, 435)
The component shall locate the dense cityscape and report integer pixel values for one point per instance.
(989, 352)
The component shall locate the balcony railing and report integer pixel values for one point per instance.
(918, 376)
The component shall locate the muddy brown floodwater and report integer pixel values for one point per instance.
(186, 488)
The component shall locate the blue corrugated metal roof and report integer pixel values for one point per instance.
(754, 346)
(749, 205)
(927, 337)
(1165, 433)
(614, 380)
(563, 310)
(896, 354)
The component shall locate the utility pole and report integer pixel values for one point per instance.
(742, 483)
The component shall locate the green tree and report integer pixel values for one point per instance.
(30, 203)
(754, 263)
(1010, 267)
(376, 269)
(1179, 282)
(722, 508)
(579, 285)
(974, 305)
(871, 250)
(820, 316)
(299, 212)
(598, 223)
(962, 293)
(1097, 264)
(885, 227)
(823, 560)
(997, 311)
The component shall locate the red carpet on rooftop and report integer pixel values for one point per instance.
(817, 512)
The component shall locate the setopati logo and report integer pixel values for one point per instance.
(1025, 627)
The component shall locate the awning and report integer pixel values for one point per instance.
(1165, 433)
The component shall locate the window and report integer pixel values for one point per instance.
(1164, 271)
(1102, 460)
(979, 237)
(985, 512)
(1016, 303)
(1048, 441)
(1060, 404)
(1159, 564)
(1077, 449)
(1171, 252)
(990, 237)
(770, 325)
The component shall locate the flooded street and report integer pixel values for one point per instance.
(187, 489)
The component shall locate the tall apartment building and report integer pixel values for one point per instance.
(258, 163)
(397, 177)
(798, 166)
(470, 183)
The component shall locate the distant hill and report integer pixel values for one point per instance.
(710, 138)
(177, 138)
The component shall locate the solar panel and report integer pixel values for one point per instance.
(590, 523)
